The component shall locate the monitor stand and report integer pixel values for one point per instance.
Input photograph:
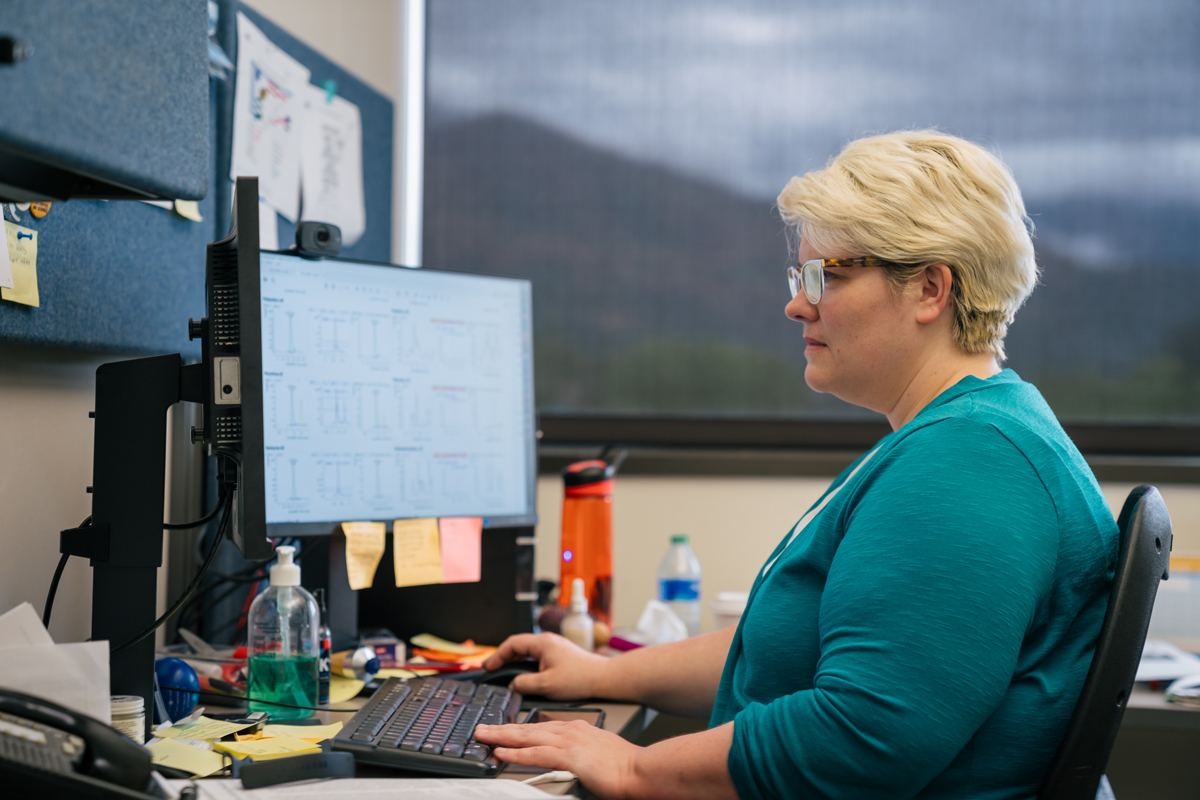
(125, 539)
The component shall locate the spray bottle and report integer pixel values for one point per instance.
(577, 626)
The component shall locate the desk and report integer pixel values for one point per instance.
(1154, 757)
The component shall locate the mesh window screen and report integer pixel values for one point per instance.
(625, 156)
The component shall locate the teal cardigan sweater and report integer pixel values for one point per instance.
(925, 629)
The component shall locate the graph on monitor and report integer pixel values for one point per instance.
(392, 393)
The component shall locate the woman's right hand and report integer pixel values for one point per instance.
(567, 671)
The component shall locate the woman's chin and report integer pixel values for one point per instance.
(817, 380)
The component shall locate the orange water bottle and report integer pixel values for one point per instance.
(587, 532)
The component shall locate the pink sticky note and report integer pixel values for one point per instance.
(462, 540)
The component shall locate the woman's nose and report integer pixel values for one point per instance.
(799, 309)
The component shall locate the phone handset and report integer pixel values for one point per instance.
(79, 743)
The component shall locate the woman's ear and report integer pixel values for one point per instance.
(934, 283)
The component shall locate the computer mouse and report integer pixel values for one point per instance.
(503, 676)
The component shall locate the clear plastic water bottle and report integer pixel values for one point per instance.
(284, 624)
(679, 582)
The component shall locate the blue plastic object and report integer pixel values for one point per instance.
(173, 673)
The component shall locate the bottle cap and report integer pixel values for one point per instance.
(128, 704)
(679, 538)
(285, 573)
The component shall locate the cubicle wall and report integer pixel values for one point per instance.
(124, 276)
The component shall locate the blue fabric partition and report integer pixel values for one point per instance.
(124, 276)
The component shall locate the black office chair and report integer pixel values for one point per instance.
(1143, 559)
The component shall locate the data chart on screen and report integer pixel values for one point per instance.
(391, 393)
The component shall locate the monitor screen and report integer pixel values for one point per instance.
(391, 393)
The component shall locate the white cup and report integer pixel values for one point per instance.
(728, 607)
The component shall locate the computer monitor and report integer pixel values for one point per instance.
(352, 390)
(392, 393)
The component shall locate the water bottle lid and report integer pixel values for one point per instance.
(679, 538)
(594, 474)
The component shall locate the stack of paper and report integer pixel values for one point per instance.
(72, 675)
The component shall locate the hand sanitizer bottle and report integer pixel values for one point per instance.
(283, 643)
(577, 626)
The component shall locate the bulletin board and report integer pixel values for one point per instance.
(125, 276)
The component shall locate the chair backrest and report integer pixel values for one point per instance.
(1143, 560)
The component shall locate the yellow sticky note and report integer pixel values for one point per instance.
(264, 749)
(417, 555)
(342, 689)
(177, 755)
(364, 548)
(188, 209)
(462, 543)
(308, 732)
(22, 253)
(203, 729)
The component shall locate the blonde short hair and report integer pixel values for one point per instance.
(918, 198)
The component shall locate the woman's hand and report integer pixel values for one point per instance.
(602, 760)
(691, 767)
(568, 672)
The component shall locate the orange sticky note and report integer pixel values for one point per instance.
(462, 541)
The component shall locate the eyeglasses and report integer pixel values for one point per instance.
(810, 275)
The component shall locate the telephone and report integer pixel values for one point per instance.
(50, 751)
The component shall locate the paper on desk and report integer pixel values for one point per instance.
(303, 731)
(266, 749)
(267, 118)
(368, 789)
(268, 227)
(364, 548)
(1163, 661)
(342, 688)
(203, 729)
(22, 256)
(177, 755)
(72, 675)
(416, 552)
(462, 542)
(22, 626)
(331, 164)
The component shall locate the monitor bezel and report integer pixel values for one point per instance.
(254, 462)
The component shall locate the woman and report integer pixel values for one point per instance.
(925, 629)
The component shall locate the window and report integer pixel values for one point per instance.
(625, 156)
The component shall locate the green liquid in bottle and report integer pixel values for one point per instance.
(283, 679)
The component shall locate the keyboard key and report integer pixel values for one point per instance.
(454, 749)
(361, 737)
(476, 752)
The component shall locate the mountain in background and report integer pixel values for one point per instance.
(657, 292)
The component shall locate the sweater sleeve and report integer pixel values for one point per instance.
(949, 547)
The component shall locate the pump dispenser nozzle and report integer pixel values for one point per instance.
(284, 572)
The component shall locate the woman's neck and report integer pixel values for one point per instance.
(937, 375)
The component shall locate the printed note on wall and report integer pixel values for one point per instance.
(22, 255)
(416, 551)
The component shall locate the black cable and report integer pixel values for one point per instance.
(183, 526)
(255, 700)
(227, 503)
(62, 563)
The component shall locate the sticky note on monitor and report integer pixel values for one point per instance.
(22, 256)
(462, 543)
(364, 549)
(416, 551)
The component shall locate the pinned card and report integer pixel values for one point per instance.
(22, 256)
(364, 548)
(416, 551)
(461, 544)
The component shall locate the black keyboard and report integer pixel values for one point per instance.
(428, 725)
